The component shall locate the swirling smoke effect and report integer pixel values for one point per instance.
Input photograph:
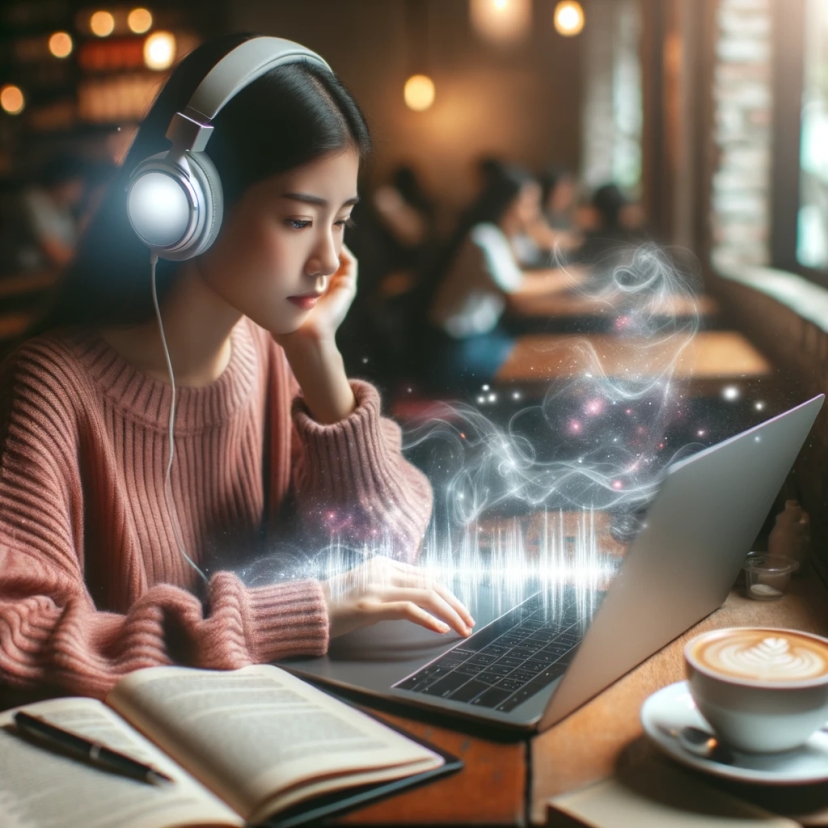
(601, 447)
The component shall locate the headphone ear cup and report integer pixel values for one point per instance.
(204, 171)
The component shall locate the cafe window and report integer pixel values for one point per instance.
(812, 220)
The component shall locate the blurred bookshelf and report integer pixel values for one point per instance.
(87, 74)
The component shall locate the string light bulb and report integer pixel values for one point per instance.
(569, 18)
(159, 50)
(11, 99)
(60, 44)
(139, 21)
(419, 92)
(102, 23)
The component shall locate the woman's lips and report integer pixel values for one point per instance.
(306, 301)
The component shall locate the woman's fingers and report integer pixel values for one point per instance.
(412, 576)
(409, 611)
(430, 600)
(452, 600)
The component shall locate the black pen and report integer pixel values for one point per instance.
(86, 749)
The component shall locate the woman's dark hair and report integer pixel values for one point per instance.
(549, 180)
(609, 201)
(407, 183)
(288, 117)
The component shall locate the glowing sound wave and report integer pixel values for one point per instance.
(613, 460)
(613, 449)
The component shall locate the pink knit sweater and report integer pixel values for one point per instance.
(92, 584)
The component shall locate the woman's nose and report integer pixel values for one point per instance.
(324, 260)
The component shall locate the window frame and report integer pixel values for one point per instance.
(788, 83)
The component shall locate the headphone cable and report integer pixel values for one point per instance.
(167, 477)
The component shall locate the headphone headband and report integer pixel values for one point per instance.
(190, 130)
(174, 199)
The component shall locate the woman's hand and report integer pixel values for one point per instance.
(383, 589)
(312, 353)
(324, 320)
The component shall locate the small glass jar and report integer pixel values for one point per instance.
(766, 576)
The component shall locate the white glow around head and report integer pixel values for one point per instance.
(159, 50)
(730, 393)
(158, 209)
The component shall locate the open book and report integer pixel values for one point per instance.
(241, 746)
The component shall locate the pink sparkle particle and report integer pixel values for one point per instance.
(594, 407)
(575, 426)
(617, 485)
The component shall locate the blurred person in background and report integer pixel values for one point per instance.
(465, 342)
(551, 238)
(393, 236)
(407, 214)
(611, 222)
(51, 210)
(559, 193)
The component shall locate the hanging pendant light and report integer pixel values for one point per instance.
(569, 18)
(501, 21)
(419, 92)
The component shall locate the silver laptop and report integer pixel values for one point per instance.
(527, 667)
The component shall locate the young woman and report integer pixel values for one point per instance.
(94, 581)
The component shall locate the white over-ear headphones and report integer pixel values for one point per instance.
(174, 198)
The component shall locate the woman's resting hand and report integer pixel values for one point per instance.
(383, 589)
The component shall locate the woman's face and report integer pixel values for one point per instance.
(526, 206)
(280, 244)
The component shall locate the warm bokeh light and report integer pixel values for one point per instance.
(419, 92)
(569, 18)
(501, 21)
(60, 45)
(159, 50)
(102, 23)
(139, 21)
(11, 99)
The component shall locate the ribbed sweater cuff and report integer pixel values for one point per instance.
(287, 619)
(350, 459)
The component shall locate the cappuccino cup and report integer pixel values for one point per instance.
(761, 689)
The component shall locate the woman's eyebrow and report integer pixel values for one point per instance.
(307, 198)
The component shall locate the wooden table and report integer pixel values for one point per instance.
(510, 783)
(571, 304)
(710, 359)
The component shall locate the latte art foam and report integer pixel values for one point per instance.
(765, 657)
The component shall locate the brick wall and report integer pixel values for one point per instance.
(798, 347)
(742, 100)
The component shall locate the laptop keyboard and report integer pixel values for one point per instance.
(506, 662)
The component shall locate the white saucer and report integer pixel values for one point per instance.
(673, 707)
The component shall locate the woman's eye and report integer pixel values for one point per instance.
(345, 222)
(298, 224)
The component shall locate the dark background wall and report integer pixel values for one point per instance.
(521, 102)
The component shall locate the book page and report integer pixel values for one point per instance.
(41, 787)
(658, 795)
(252, 733)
